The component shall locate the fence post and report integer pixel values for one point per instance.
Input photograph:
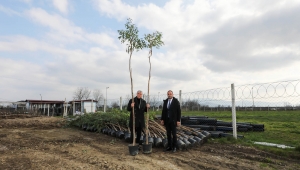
(104, 108)
(44, 109)
(73, 104)
(92, 106)
(121, 103)
(233, 112)
(180, 99)
(48, 109)
(81, 106)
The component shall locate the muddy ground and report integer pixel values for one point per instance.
(44, 143)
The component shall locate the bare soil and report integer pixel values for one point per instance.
(43, 143)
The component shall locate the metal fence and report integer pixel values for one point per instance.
(283, 95)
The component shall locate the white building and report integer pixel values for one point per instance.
(84, 106)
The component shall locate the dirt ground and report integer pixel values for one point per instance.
(43, 143)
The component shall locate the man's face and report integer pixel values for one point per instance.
(139, 95)
(170, 94)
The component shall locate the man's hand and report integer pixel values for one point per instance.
(148, 105)
(178, 123)
(132, 104)
(162, 122)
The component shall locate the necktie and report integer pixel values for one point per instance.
(169, 103)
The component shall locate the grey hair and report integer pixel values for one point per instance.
(139, 91)
(170, 91)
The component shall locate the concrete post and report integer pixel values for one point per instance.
(180, 99)
(104, 106)
(73, 104)
(121, 103)
(234, 128)
(92, 109)
(48, 109)
(44, 108)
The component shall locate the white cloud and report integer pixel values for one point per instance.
(9, 11)
(26, 1)
(208, 44)
(221, 34)
(61, 5)
(64, 31)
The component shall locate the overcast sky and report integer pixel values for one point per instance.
(52, 47)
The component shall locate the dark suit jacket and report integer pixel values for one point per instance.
(175, 111)
(139, 111)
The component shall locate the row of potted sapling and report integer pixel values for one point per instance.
(186, 137)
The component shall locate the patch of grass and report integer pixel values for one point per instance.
(263, 165)
(281, 127)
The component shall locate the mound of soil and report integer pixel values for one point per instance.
(43, 143)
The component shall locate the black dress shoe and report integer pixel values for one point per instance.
(174, 150)
(168, 149)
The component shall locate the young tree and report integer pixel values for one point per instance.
(97, 94)
(152, 40)
(133, 43)
(81, 93)
(86, 93)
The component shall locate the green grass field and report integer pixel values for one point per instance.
(281, 127)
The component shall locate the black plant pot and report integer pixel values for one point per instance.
(103, 130)
(113, 133)
(198, 140)
(108, 131)
(127, 137)
(84, 127)
(120, 134)
(165, 143)
(147, 148)
(207, 134)
(192, 141)
(200, 135)
(180, 144)
(133, 149)
(187, 143)
(150, 140)
(187, 133)
(157, 142)
(142, 139)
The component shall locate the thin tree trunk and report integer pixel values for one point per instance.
(147, 129)
(132, 101)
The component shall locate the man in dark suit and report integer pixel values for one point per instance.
(170, 117)
(140, 107)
